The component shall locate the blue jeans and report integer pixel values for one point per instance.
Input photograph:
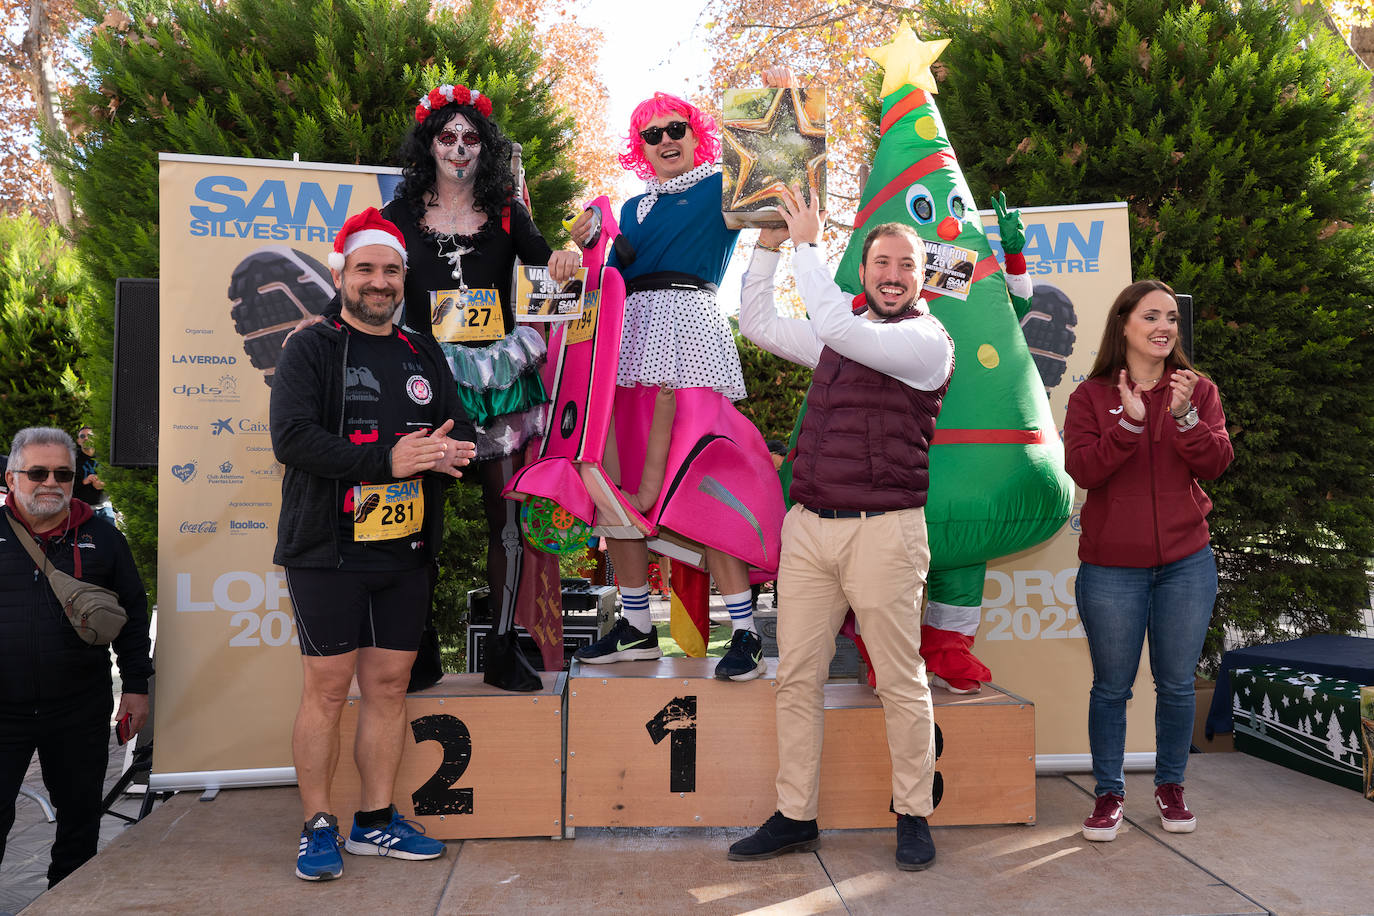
(1118, 606)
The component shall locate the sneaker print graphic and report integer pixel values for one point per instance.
(367, 508)
(441, 310)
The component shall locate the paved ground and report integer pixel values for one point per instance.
(24, 873)
(1269, 840)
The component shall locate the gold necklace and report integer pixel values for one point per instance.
(1146, 381)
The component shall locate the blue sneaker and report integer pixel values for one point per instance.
(319, 859)
(400, 839)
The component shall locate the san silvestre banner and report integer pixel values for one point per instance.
(1079, 258)
(244, 245)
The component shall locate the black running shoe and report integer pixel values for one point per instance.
(269, 292)
(778, 835)
(623, 644)
(743, 661)
(1050, 328)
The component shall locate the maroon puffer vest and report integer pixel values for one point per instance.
(865, 440)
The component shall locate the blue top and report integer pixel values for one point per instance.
(684, 232)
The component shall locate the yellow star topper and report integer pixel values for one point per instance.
(907, 60)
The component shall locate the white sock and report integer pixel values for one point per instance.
(741, 607)
(634, 607)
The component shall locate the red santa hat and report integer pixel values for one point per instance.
(366, 228)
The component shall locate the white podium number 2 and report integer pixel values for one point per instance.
(677, 721)
(438, 795)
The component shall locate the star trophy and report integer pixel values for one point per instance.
(773, 138)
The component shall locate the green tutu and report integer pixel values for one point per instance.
(501, 390)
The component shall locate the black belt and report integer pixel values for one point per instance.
(845, 513)
(668, 279)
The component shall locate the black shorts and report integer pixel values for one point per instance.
(338, 611)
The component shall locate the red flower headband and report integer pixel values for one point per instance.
(444, 95)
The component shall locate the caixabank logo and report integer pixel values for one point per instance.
(233, 426)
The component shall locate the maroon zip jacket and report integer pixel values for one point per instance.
(1144, 505)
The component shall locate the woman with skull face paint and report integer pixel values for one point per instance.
(464, 228)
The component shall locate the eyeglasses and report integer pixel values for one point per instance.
(469, 138)
(39, 475)
(675, 130)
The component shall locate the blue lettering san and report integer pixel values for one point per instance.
(1038, 243)
(312, 195)
(207, 190)
(271, 200)
(222, 199)
(399, 491)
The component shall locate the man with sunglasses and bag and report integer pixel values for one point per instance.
(55, 689)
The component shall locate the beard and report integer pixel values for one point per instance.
(42, 505)
(377, 315)
(882, 309)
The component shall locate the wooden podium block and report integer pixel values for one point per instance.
(478, 761)
(984, 772)
(663, 743)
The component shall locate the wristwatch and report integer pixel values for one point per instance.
(1188, 420)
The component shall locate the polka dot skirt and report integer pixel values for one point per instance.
(679, 338)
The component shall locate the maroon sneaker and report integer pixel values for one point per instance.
(1105, 820)
(1173, 811)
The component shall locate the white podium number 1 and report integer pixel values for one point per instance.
(438, 795)
(677, 721)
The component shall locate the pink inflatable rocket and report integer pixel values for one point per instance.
(720, 489)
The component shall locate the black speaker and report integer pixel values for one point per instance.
(134, 398)
(1185, 323)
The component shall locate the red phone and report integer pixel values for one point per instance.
(124, 728)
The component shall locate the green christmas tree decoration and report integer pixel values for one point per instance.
(997, 479)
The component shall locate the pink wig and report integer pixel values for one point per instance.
(703, 127)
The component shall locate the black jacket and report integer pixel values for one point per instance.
(41, 658)
(307, 437)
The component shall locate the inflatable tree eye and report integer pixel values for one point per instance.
(920, 204)
(956, 205)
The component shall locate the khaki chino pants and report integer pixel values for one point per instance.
(877, 566)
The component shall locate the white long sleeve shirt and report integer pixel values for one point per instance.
(916, 353)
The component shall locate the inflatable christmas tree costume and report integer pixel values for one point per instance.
(997, 479)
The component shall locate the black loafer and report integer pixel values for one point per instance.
(915, 848)
(778, 835)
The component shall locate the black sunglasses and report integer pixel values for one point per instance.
(39, 475)
(675, 130)
(469, 138)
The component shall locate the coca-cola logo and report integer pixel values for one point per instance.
(205, 527)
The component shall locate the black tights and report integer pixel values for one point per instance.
(505, 552)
